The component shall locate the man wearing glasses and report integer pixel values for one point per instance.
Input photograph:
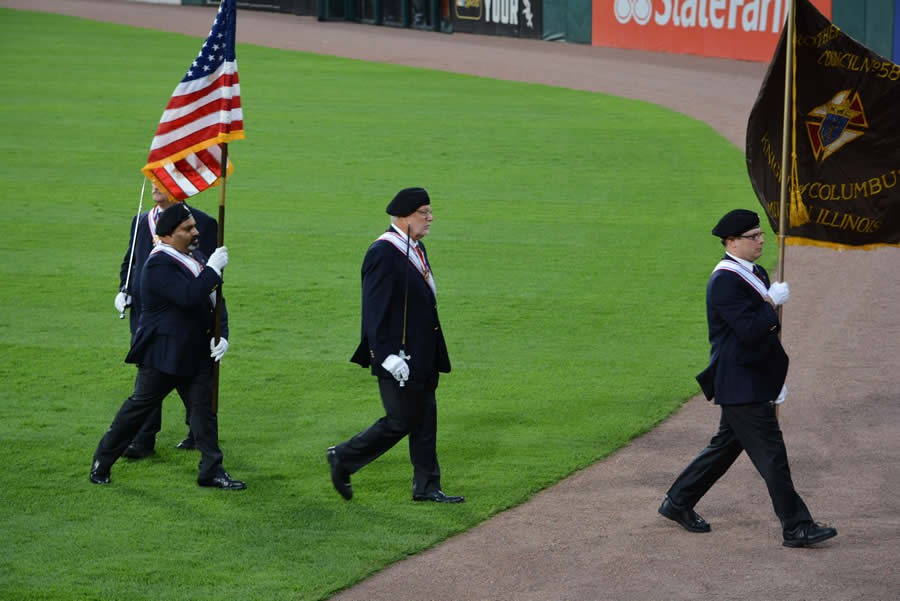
(745, 377)
(403, 345)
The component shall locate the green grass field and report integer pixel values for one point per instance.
(571, 248)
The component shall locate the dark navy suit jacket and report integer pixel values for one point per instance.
(177, 317)
(384, 278)
(209, 235)
(747, 362)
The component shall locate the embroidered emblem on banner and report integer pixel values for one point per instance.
(836, 123)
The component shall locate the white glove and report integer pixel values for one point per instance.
(397, 366)
(218, 260)
(122, 302)
(779, 293)
(216, 351)
(782, 396)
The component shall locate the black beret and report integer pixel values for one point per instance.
(406, 201)
(171, 218)
(735, 223)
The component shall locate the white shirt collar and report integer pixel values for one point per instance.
(413, 243)
(748, 264)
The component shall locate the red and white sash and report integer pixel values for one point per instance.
(413, 253)
(748, 276)
(152, 218)
(189, 262)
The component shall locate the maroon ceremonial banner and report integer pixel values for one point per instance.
(844, 139)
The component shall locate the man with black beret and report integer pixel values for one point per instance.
(402, 343)
(142, 239)
(745, 377)
(174, 347)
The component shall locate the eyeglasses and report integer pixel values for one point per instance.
(424, 212)
(756, 237)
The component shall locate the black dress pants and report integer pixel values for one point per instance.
(150, 388)
(753, 428)
(146, 436)
(409, 411)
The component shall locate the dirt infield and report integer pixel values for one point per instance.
(597, 535)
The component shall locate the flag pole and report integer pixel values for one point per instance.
(217, 315)
(786, 138)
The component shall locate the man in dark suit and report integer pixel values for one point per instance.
(174, 346)
(142, 241)
(745, 376)
(403, 345)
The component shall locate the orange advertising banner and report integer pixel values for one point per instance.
(741, 29)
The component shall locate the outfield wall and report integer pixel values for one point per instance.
(874, 23)
(739, 29)
(735, 29)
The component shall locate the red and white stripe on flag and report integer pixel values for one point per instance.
(203, 113)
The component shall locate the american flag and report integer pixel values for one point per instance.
(203, 113)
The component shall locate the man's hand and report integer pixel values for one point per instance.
(782, 396)
(397, 366)
(217, 351)
(218, 260)
(779, 293)
(122, 302)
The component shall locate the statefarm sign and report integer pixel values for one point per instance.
(742, 29)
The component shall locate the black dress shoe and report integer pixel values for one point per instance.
(686, 517)
(134, 451)
(807, 534)
(438, 496)
(99, 473)
(188, 444)
(340, 479)
(223, 481)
